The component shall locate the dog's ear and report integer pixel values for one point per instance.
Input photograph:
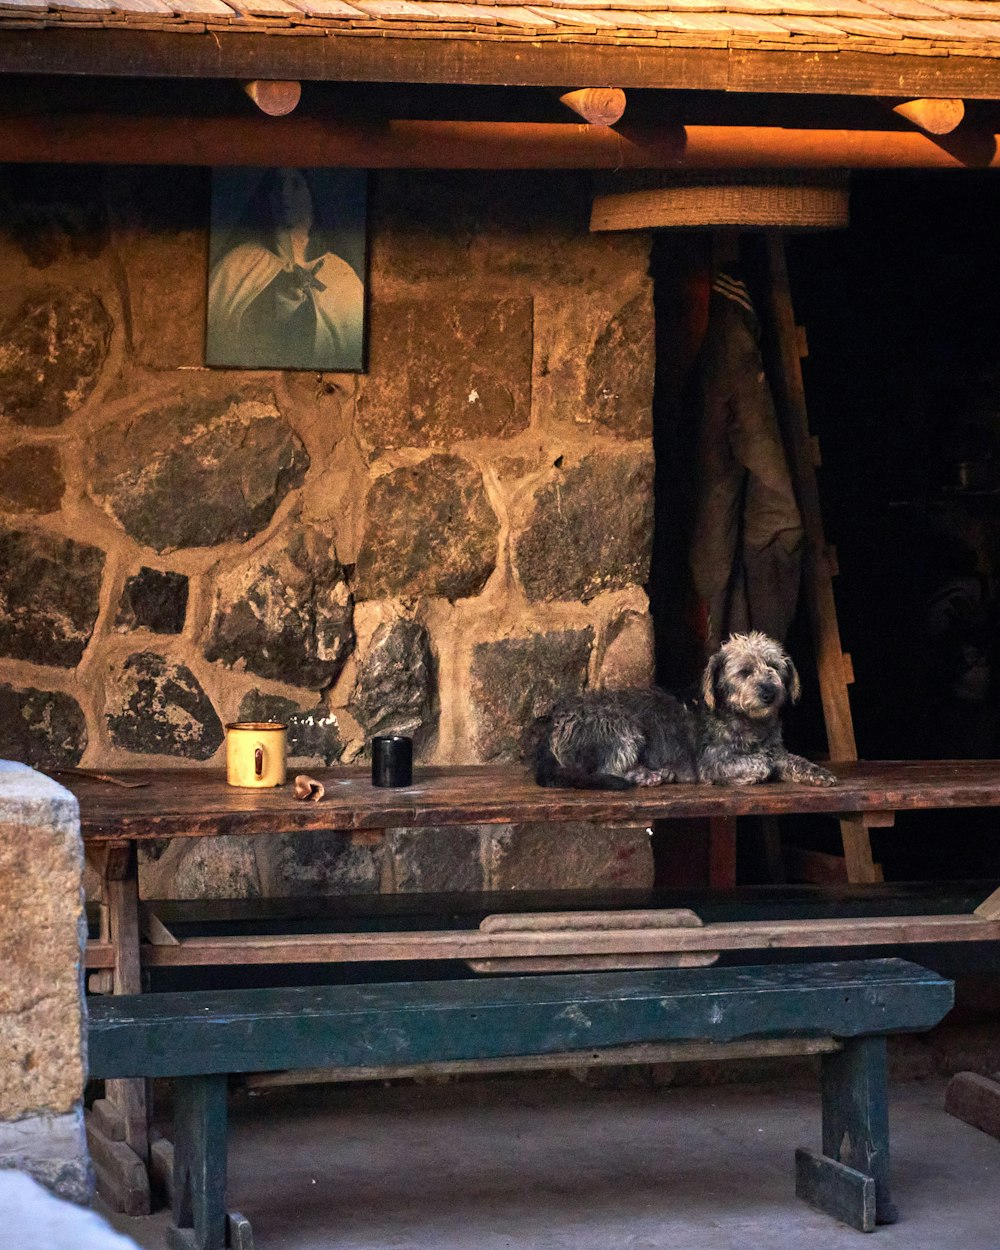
(792, 683)
(709, 680)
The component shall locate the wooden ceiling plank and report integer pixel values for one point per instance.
(201, 8)
(969, 8)
(515, 15)
(142, 6)
(80, 6)
(578, 17)
(406, 10)
(799, 25)
(326, 8)
(264, 8)
(457, 9)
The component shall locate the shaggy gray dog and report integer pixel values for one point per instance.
(617, 739)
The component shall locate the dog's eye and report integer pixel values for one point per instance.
(745, 671)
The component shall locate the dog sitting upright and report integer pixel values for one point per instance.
(617, 739)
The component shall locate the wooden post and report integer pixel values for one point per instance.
(856, 1114)
(834, 671)
(199, 1205)
(601, 106)
(127, 1097)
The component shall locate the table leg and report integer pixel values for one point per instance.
(122, 1117)
(850, 1179)
(722, 852)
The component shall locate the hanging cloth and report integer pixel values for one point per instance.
(747, 542)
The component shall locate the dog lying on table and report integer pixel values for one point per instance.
(617, 739)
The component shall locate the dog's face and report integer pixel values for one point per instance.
(751, 675)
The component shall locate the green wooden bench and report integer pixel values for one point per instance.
(199, 1038)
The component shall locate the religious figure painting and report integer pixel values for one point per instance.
(287, 269)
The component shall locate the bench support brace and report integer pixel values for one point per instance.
(199, 1208)
(850, 1180)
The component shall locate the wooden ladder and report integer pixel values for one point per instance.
(820, 564)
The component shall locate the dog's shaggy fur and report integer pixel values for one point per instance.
(614, 740)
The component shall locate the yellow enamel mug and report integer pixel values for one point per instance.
(255, 753)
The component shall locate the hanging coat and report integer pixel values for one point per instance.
(747, 542)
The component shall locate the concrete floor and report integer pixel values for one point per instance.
(540, 1164)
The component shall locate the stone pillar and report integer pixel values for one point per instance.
(42, 932)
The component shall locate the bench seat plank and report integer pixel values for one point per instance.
(163, 1035)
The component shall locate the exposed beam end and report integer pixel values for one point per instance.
(935, 117)
(601, 106)
(275, 97)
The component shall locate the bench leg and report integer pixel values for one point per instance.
(199, 1206)
(850, 1180)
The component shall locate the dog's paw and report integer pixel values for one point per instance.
(813, 775)
(640, 776)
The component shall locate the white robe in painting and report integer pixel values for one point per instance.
(266, 311)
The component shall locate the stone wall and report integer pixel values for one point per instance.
(437, 547)
(41, 1007)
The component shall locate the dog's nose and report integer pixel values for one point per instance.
(768, 695)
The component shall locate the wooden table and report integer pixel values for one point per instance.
(117, 817)
(198, 803)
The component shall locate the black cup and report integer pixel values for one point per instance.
(392, 760)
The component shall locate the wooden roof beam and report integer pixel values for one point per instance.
(116, 139)
(79, 48)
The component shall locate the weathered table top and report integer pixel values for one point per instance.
(198, 803)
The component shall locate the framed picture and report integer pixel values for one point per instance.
(286, 281)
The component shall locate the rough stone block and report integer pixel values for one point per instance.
(52, 350)
(53, 1150)
(395, 692)
(430, 531)
(31, 479)
(51, 217)
(155, 707)
(287, 614)
(578, 855)
(42, 930)
(618, 394)
(446, 370)
(437, 859)
(221, 867)
(569, 548)
(155, 601)
(628, 652)
(50, 591)
(438, 225)
(43, 728)
(318, 863)
(197, 474)
(515, 680)
(313, 732)
(162, 243)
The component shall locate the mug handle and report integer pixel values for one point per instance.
(258, 760)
